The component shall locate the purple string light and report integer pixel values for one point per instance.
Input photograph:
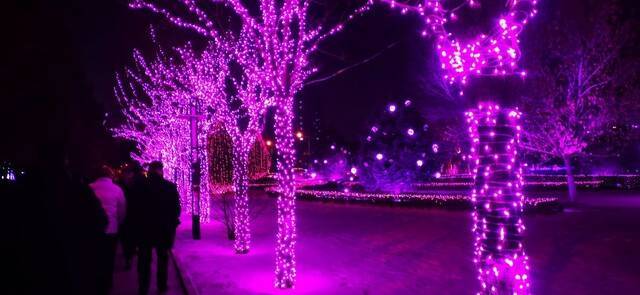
(154, 106)
(495, 135)
(284, 53)
(498, 200)
(173, 82)
(495, 53)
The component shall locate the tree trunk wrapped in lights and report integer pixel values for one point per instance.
(286, 236)
(221, 172)
(241, 202)
(284, 37)
(498, 200)
(244, 163)
(226, 78)
(155, 106)
(495, 134)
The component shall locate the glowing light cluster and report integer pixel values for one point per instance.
(7, 173)
(286, 236)
(528, 183)
(157, 110)
(563, 183)
(240, 109)
(283, 38)
(434, 198)
(393, 155)
(222, 170)
(494, 53)
(218, 96)
(498, 200)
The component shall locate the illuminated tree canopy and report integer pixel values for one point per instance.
(283, 35)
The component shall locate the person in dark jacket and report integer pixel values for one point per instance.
(134, 185)
(158, 224)
(56, 243)
(84, 224)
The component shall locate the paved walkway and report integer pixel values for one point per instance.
(125, 282)
(345, 249)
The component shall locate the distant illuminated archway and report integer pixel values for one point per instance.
(219, 156)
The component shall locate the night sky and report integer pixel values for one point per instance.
(60, 59)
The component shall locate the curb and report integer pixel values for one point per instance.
(185, 278)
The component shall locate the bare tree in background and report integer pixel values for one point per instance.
(581, 87)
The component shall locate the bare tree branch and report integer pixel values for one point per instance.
(341, 71)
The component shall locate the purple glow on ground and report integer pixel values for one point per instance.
(365, 249)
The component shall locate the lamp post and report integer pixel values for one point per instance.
(193, 118)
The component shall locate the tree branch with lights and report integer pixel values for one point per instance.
(285, 39)
(494, 132)
(229, 75)
(153, 104)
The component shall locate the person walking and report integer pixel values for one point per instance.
(134, 185)
(113, 202)
(159, 221)
(56, 249)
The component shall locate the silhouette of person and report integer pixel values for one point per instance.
(56, 248)
(83, 225)
(134, 185)
(158, 224)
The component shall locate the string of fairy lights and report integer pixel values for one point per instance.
(495, 135)
(498, 199)
(587, 183)
(204, 76)
(153, 107)
(220, 153)
(441, 199)
(283, 38)
(494, 53)
(274, 58)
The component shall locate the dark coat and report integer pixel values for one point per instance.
(161, 215)
(55, 234)
(135, 193)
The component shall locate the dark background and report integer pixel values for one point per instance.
(60, 58)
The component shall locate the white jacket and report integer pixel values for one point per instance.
(113, 202)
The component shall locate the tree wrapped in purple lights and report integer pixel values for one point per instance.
(498, 200)
(225, 78)
(221, 172)
(494, 132)
(494, 54)
(220, 151)
(231, 78)
(285, 39)
(154, 105)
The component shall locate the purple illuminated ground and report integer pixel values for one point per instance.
(366, 249)
(125, 282)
